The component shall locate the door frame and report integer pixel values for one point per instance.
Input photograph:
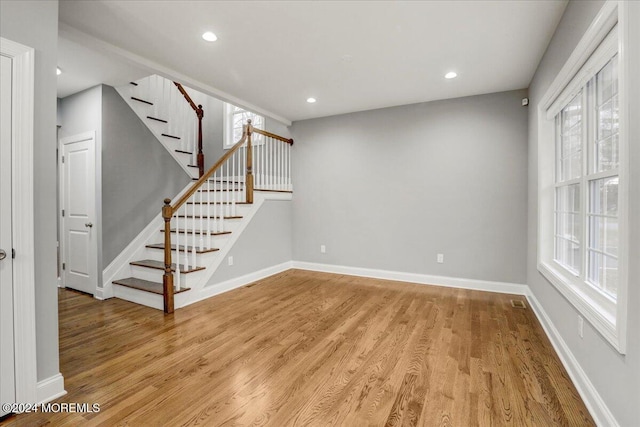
(90, 135)
(22, 205)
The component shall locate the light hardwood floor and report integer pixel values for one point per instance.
(304, 348)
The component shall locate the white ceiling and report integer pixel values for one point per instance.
(350, 55)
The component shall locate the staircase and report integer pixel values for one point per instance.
(160, 105)
(170, 263)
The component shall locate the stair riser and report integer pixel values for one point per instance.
(218, 242)
(204, 224)
(226, 210)
(158, 255)
(139, 297)
(154, 275)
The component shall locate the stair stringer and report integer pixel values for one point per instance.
(136, 250)
(157, 128)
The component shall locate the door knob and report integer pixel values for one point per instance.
(3, 254)
(88, 224)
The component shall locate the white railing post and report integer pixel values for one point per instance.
(193, 231)
(177, 281)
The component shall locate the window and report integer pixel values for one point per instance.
(586, 158)
(582, 188)
(234, 120)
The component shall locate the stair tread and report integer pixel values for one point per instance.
(273, 191)
(144, 285)
(193, 166)
(170, 136)
(189, 248)
(157, 119)
(220, 190)
(213, 233)
(159, 265)
(184, 152)
(141, 100)
(220, 180)
(217, 203)
(212, 217)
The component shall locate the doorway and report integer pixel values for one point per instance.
(18, 382)
(79, 240)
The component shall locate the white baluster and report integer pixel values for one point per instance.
(194, 147)
(177, 281)
(233, 188)
(208, 214)
(221, 206)
(171, 116)
(289, 186)
(193, 230)
(279, 164)
(271, 171)
(185, 252)
(201, 221)
(215, 198)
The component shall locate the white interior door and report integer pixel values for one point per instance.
(79, 234)
(7, 364)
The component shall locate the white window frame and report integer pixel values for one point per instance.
(606, 36)
(227, 128)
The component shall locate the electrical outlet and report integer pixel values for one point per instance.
(440, 259)
(323, 249)
(580, 326)
(230, 260)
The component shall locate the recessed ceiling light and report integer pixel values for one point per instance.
(58, 71)
(451, 75)
(311, 100)
(209, 36)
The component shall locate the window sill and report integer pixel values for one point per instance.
(593, 311)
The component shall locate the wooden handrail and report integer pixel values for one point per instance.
(186, 96)
(273, 135)
(169, 210)
(200, 114)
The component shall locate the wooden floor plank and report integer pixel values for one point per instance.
(309, 348)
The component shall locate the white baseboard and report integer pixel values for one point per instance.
(594, 403)
(452, 282)
(50, 389)
(228, 285)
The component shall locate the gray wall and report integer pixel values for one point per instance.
(212, 126)
(616, 377)
(137, 174)
(264, 243)
(35, 24)
(79, 113)
(390, 188)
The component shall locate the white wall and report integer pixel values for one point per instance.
(35, 24)
(389, 189)
(615, 377)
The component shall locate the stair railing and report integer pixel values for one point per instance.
(200, 213)
(165, 100)
(272, 162)
(199, 114)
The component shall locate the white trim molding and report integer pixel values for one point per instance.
(423, 279)
(592, 399)
(71, 33)
(23, 65)
(231, 284)
(606, 36)
(50, 389)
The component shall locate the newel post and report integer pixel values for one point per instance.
(167, 278)
(200, 114)
(249, 177)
